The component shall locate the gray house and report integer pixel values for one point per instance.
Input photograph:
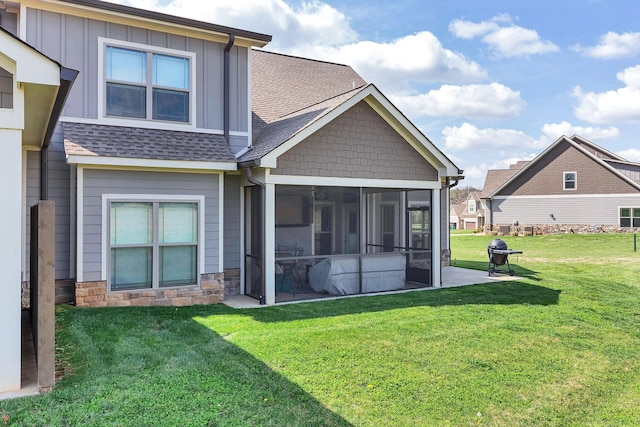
(185, 166)
(572, 185)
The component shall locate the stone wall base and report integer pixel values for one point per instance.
(539, 229)
(232, 281)
(64, 293)
(445, 257)
(95, 294)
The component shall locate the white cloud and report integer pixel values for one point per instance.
(632, 154)
(553, 131)
(621, 105)
(612, 46)
(504, 38)
(470, 137)
(312, 22)
(472, 101)
(418, 57)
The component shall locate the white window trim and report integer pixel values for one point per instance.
(631, 217)
(564, 181)
(103, 43)
(106, 198)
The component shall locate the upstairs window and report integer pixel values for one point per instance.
(471, 208)
(630, 217)
(570, 180)
(147, 85)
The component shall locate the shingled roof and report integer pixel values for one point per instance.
(81, 139)
(282, 84)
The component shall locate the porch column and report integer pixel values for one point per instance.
(436, 238)
(10, 257)
(268, 256)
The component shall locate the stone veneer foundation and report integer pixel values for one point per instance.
(232, 281)
(94, 294)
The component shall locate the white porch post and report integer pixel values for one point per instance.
(10, 258)
(268, 257)
(436, 236)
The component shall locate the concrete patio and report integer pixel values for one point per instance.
(451, 277)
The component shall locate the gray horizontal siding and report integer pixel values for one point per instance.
(232, 221)
(566, 210)
(99, 182)
(9, 21)
(73, 41)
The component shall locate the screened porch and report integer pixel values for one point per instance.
(330, 241)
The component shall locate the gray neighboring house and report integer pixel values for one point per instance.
(574, 184)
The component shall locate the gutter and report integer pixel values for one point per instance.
(67, 77)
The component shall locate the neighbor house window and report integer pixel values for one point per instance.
(472, 206)
(570, 180)
(629, 217)
(152, 244)
(147, 85)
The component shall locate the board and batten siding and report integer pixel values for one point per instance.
(97, 182)
(73, 41)
(594, 209)
(59, 192)
(232, 221)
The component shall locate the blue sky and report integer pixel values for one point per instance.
(489, 82)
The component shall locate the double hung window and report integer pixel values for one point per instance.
(152, 244)
(147, 85)
(629, 217)
(570, 179)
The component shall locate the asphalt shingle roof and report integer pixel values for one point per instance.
(84, 139)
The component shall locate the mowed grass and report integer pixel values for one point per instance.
(559, 347)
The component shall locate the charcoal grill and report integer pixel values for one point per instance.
(499, 256)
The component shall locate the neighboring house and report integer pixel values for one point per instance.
(468, 215)
(574, 183)
(184, 161)
(455, 216)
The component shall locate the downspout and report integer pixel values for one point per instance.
(227, 89)
(67, 77)
(263, 231)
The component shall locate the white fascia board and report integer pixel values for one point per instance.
(387, 112)
(521, 171)
(408, 130)
(150, 163)
(350, 182)
(31, 65)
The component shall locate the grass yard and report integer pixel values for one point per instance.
(560, 347)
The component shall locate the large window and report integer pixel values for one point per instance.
(147, 85)
(152, 244)
(570, 180)
(629, 217)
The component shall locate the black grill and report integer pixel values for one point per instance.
(498, 256)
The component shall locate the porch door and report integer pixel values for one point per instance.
(253, 242)
(351, 224)
(419, 239)
(323, 225)
(389, 226)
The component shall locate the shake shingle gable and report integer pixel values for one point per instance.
(81, 139)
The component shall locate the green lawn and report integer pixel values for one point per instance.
(561, 347)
